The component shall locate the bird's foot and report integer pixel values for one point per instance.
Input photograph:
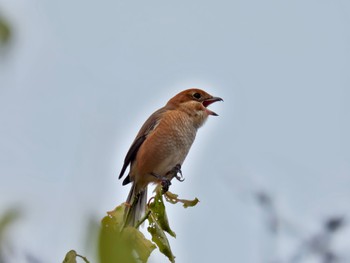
(174, 173)
(164, 182)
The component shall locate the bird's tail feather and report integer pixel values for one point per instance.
(136, 201)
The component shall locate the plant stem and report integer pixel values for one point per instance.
(143, 219)
(84, 258)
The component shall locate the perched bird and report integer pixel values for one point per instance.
(161, 146)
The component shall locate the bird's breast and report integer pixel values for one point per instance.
(178, 133)
(168, 145)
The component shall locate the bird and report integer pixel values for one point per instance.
(161, 146)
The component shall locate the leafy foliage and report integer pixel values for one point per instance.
(6, 221)
(5, 31)
(159, 224)
(119, 244)
(125, 244)
(158, 214)
(173, 198)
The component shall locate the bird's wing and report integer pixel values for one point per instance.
(147, 128)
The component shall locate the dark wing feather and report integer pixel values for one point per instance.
(145, 130)
(130, 156)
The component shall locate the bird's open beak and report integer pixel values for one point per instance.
(207, 102)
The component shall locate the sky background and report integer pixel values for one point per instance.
(81, 77)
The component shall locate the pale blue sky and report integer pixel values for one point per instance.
(81, 77)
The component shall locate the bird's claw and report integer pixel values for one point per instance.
(174, 173)
(165, 181)
(180, 178)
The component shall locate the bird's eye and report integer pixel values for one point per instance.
(197, 95)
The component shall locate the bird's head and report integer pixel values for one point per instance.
(194, 102)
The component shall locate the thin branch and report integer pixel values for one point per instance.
(143, 219)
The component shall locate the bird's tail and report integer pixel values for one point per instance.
(136, 205)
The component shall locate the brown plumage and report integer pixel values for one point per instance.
(162, 143)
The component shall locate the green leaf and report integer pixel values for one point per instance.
(159, 237)
(157, 208)
(143, 247)
(70, 257)
(173, 198)
(5, 31)
(112, 249)
(122, 245)
(189, 203)
(7, 219)
(115, 218)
